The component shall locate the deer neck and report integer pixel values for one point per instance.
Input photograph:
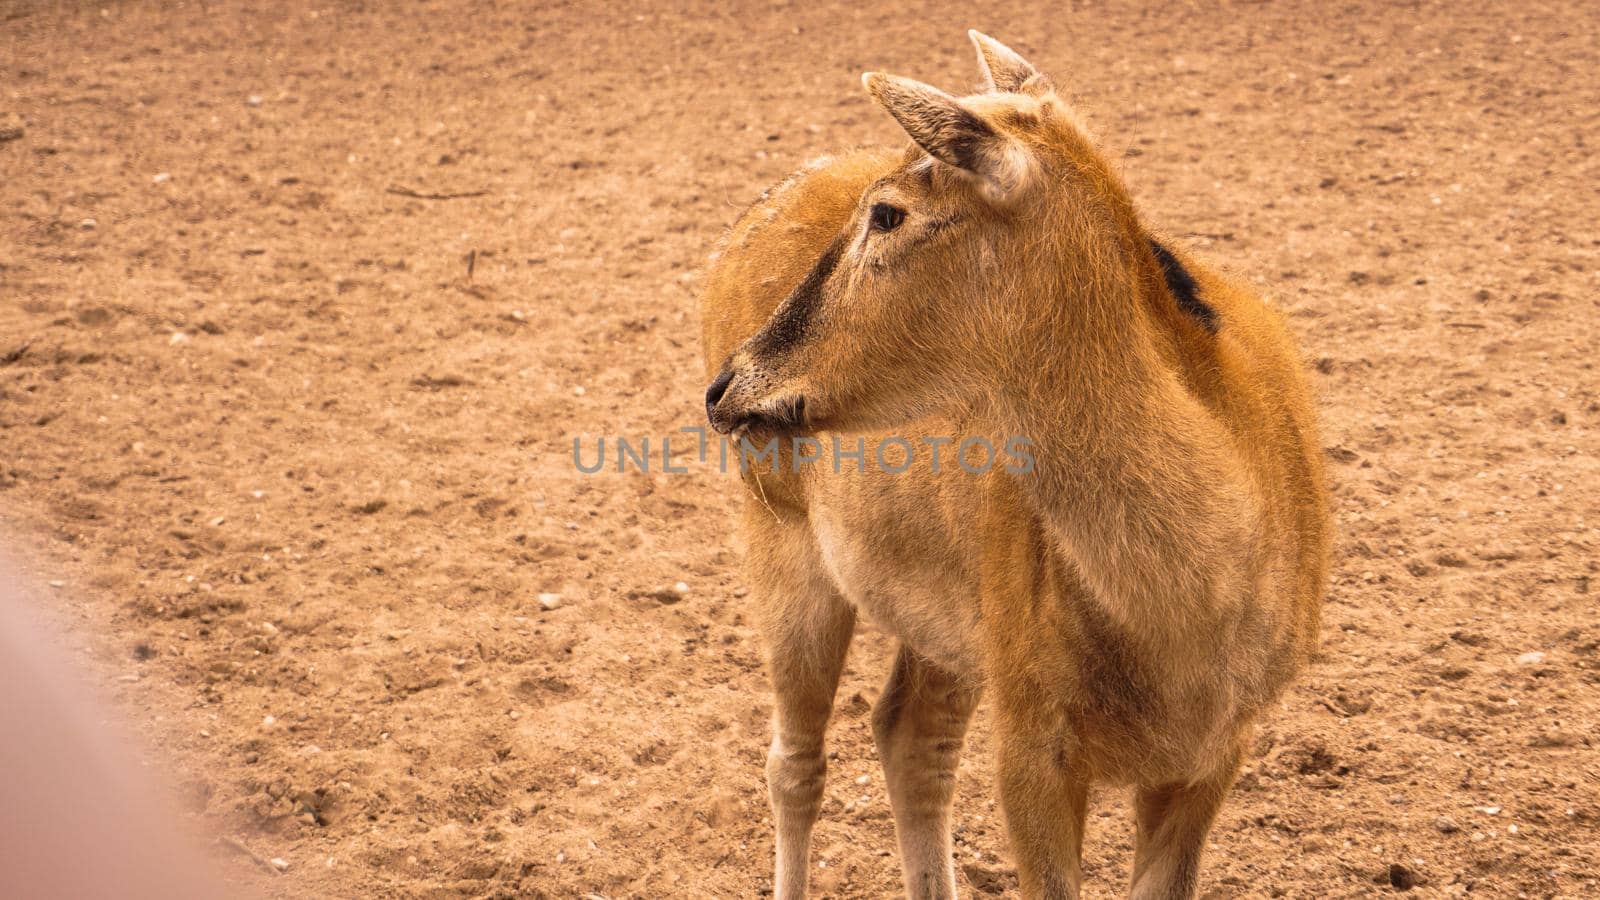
(1134, 478)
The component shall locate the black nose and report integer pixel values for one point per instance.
(717, 389)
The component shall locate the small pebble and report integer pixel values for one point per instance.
(254, 100)
(88, 224)
(279, 863)
(161, 178)
(1446, 825)
(11, 127)
(549, 601)
(1531, 658)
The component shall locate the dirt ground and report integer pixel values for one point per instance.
(289, 449)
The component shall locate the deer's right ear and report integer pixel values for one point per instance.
(948, 131)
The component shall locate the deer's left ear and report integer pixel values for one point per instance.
(949, 131)
(1004, 70)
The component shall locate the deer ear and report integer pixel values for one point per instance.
(1003, 70)
(940, 124)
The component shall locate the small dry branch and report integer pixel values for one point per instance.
(238, 846)
(419, 195)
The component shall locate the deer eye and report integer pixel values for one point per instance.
(885, 217)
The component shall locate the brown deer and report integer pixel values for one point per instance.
(1132, 599)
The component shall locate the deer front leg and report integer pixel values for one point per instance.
(1173, 822)
(805, 672)
(920, 723)
(807, 627)
(1046, 796)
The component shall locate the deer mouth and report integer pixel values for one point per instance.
(750, 406)
(784, 416)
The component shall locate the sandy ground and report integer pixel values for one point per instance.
(291, 452)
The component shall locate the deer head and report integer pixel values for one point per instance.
(999, 216)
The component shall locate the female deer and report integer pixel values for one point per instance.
(1135, 600)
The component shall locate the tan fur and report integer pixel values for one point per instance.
(1132, 604)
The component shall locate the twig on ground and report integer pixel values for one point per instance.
(418, 195)
(238, 846)
(12, 356)
(1338, 711)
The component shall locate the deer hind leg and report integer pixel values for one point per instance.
(920, 723)
(1046, 796)
(807, 627)
(1173, 822)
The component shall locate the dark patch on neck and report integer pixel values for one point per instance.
(1184, 289)
(792, 319)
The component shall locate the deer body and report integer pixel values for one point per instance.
(1133, 601)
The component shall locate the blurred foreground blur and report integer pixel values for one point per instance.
(79, 816)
